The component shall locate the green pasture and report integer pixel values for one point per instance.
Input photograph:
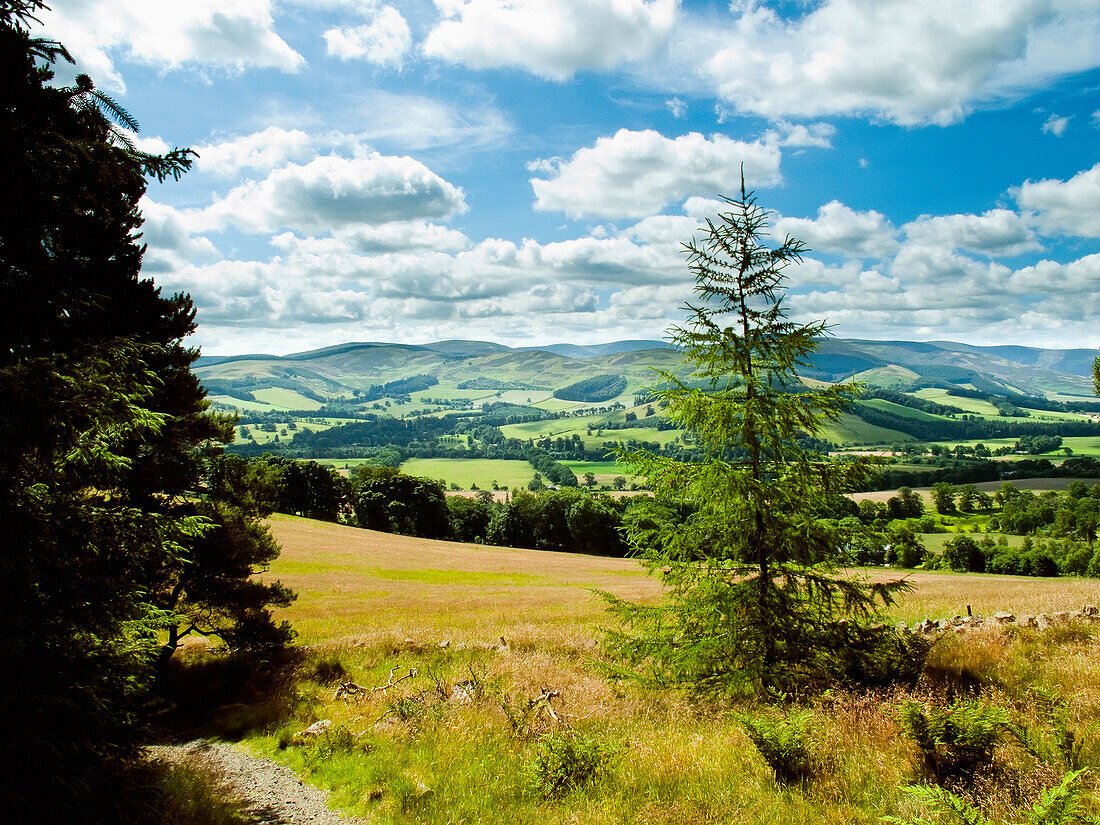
(851, 429)
(1082, 445)
(230, 401)
(971, 405)
(986, 410)
(282, 430)
(467, 471)
(902, 411)
(557, 428)
(604, 471)
(280, 398)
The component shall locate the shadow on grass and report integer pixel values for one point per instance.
(225, 695)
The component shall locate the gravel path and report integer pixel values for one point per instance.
(273, 795)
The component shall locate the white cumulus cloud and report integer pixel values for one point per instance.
(204, 33)
(907, 61)
(330, 192)
(1070, 207)
(634, 174)
(384, 41)
(838, 228)
(262, 150)
(996, 232)
(550, 38)
(1056, 125)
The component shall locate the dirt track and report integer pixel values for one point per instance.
(273, 795)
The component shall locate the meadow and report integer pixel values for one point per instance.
(476, 679)
(465, 472)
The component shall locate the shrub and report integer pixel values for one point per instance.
(564, 762)
(955, 742)
(784, 742)
(1058, 806)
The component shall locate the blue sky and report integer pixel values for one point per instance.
(524, 171)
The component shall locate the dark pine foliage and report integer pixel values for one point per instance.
(104, 433)
(754, 601)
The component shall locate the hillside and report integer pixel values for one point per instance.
(917, 391)
(338, 371)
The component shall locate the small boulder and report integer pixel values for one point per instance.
(1005, 618)
(317, 728)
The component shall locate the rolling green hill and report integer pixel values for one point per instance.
(473, 373)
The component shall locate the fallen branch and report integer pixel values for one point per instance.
(390, 682)
(349, 690)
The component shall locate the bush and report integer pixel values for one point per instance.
(784, 742)
(564, 762)
(955, 742)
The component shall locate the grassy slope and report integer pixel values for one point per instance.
(375, 602)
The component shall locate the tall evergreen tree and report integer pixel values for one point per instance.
(104, 431)
(754, 600)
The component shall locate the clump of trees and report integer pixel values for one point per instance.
(593, 390)
(755, 602)
(114, 547)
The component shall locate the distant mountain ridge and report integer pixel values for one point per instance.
(340, 371)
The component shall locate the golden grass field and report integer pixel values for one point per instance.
(358, 584)
(414, 753)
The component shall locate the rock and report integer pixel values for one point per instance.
(1060, 618)
(317, 728)
(901, 627)
(1043, 622)
(443, 645)
(1005, 618)
(1027, 621)
(1090, 610)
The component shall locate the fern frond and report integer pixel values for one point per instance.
(1059, 805)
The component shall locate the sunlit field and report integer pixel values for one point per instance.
(363, 585)
(448, 648)
(466, 472)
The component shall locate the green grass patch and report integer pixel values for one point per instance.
(972, 405)
(600, 469)
(902, 411)
(851, 429)
(468, 471)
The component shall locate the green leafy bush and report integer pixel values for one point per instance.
(955, 742)
(564, 762)
(785, 743)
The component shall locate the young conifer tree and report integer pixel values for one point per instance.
(755, 600)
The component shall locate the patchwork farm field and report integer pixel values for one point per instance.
(464, 472)
(475, 671)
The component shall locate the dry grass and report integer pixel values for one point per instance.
(376, 601)
(938, 595)
(355, 585)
